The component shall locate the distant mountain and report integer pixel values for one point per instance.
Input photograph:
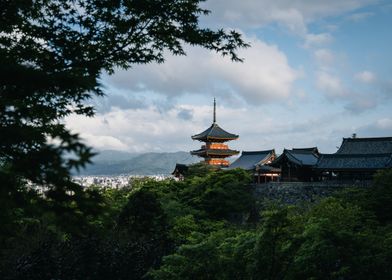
(112, 156)
(116, 163)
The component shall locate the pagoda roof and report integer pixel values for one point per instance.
(374, 145)
(305, 156)
(354, 161)
(250, 159)
(214, 152)
(214, 132)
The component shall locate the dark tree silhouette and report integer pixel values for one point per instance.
(52, 54)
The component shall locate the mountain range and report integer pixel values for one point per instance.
(111, 162)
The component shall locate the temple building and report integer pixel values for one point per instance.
(180, 171)
(356, 159)
(214, 151)
(257, 162)
(297, 164)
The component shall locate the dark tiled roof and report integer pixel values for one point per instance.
(180, 168)
(376, 145)
(298, 156)
(357, 161)
(312, 149)
(268, 169)
(249, 160)
(214, 132)
(219, 152)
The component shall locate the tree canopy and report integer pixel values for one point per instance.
(52, 54)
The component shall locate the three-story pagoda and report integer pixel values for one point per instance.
(214, 151)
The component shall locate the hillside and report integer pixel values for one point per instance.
(116, 163)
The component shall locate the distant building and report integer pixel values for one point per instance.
(214, 151)
(297, 164)
(256, 162)
(357, 159)
(179, 171)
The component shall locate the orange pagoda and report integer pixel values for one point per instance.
(214, 151)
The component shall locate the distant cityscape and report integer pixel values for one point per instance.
(118, 181)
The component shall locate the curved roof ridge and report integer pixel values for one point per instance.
(294, 157)
(356, 155)
(305, 149)
(257, 152)
(214, 131)
(371, 145)
(367, 138)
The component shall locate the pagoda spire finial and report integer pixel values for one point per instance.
(214, 111)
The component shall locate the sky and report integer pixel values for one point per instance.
(316, 71)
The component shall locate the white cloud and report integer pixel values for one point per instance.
(335, 89)
(359, 16)
(360, 103)
(104, 142)
(148, 130)
(379, 127)
(143, 130)
(324, 57)
(292, 14)
(331, 85)
(385, 124)
(264, 76)
(365, 77)
(316, 40)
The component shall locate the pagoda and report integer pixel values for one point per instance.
(214, 151)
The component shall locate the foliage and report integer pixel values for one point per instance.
(200, 169)
(185, 230)
(221, 194)
(52, 55)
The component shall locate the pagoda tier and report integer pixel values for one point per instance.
(215, 134)
(217, 162)
(214, 151)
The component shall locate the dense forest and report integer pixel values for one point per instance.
(52, 58)
(208, 226)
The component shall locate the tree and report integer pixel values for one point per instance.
(52, 54)
(221, 194)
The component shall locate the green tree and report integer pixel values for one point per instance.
(220, 194)
(339, 241)
(276, 243)
(52, 54)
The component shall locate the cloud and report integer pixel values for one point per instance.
(294, 15)
(264, 76)
(148, 130)
(331, 85)
(121, 101)
(185, 114)
(356, 99)
(104, 142)
(380, 127)
(356, 17)
(316, 40)
(365, 77)
(361, 102)
(142, 130)
(324, 57)
(334, 89)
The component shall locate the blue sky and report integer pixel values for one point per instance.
(317, 71)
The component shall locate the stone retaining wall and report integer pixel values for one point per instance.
(298, 192)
